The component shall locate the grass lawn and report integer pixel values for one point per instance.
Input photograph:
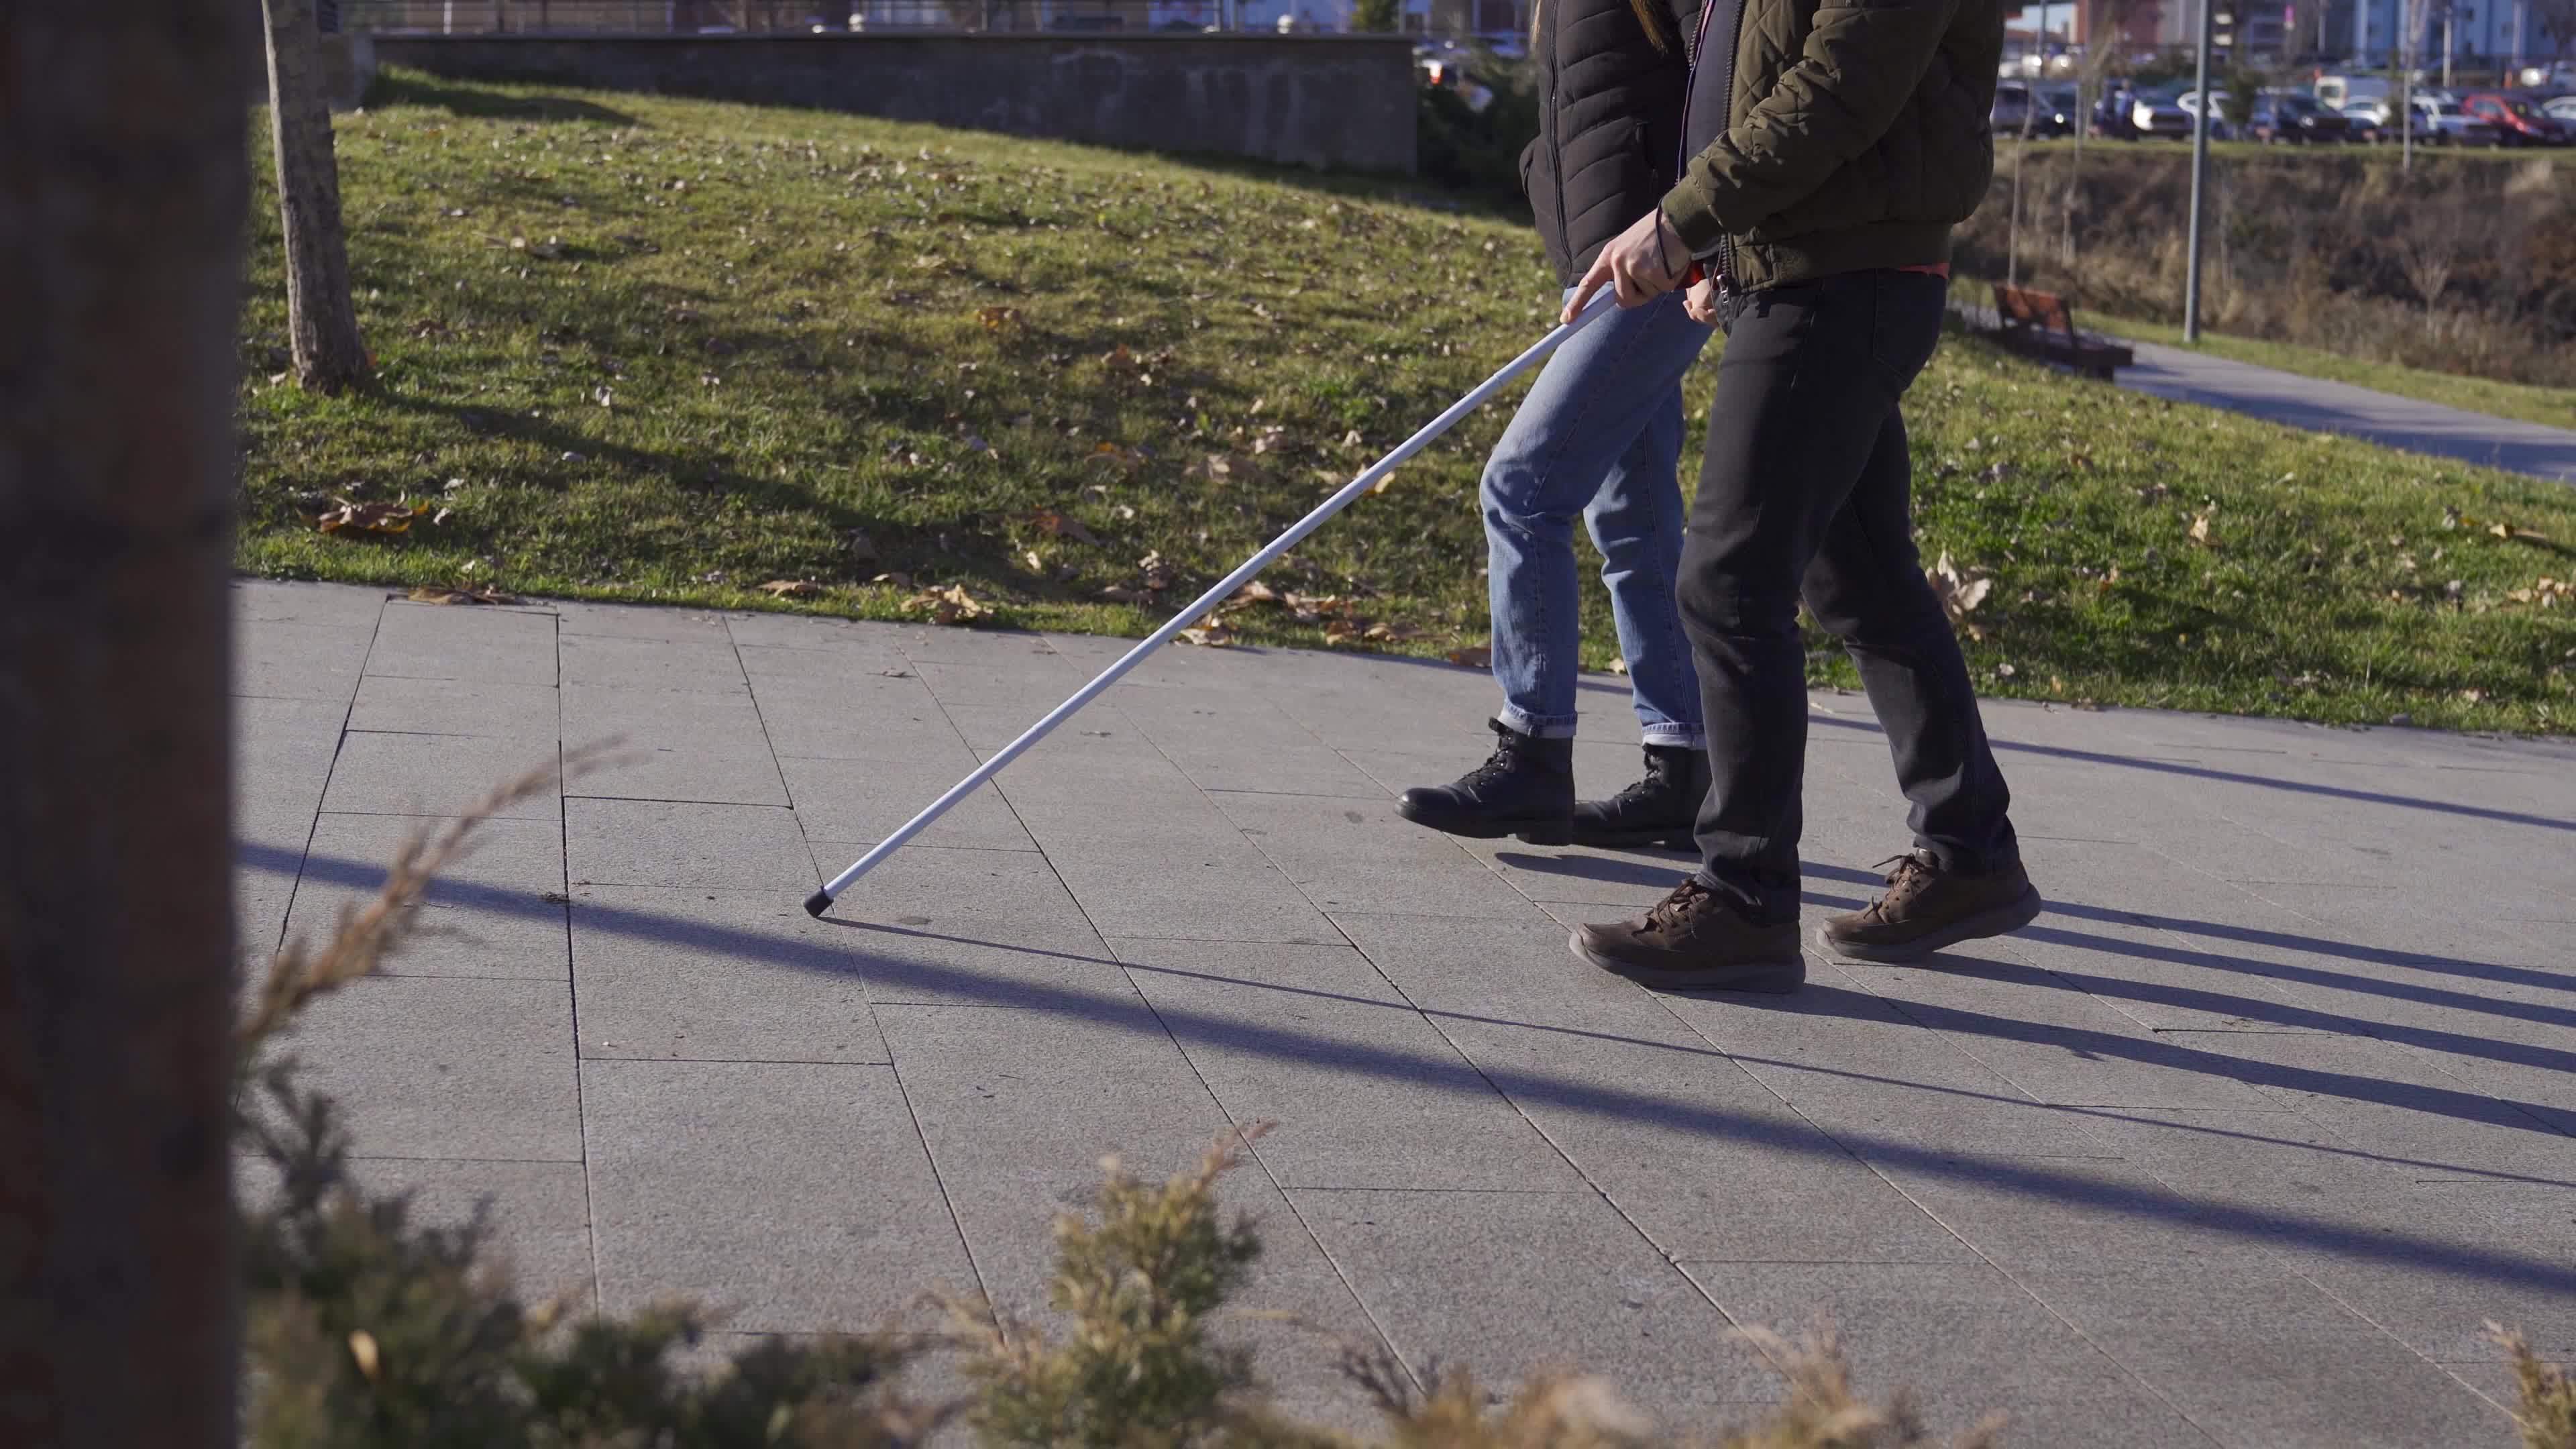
(2554, 406)
(672, 351)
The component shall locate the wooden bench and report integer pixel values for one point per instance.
(2040, 324)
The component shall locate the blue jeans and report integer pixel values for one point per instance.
(1600, 434)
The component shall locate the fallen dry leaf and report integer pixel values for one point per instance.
(1214, 633)
(898, 580)
(1959, 593)
(1050, 521)
(1474, 656)
(370, 517)
(2200, 530)
(1256, 592)
(948, 605)
(485, 595)
(998, 317)
(1159, 573)
(362, 1347)
(1121, 594)
(791, 588)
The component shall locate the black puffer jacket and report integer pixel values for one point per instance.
(1610, 119)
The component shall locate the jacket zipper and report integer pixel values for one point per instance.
(1726, 91)
(1547, 127)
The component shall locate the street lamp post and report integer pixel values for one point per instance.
(2199, 183)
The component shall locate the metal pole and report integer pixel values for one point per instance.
(1225, 588)
(2199, 181)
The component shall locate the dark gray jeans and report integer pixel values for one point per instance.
(1805, 494)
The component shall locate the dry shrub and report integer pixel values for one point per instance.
(2545, 1408)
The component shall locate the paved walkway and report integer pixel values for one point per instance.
(2240, 1144)
(2340, 407)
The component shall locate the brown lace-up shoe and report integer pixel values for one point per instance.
(1696, 940)
(1927, 908)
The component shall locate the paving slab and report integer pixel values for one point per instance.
(683, 973)
(2241, 1143)
(491, 646)
(536, 1213)
(417, 774)
(288, 660)
(497, 912)
(1365, 1091)
(1509, 1283)
(608, 661)
(665, 843)
(843, 1224)
(2260, 1359)
(447, 1067)
(397, 704)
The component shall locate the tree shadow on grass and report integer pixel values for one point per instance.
(415, 88)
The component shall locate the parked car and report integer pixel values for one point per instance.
(2059, 111)
(2011, 110)
(2366, 121)
(2448, 123)
(2563, 108)
(2159, 116)
(2296, 118)
(2219, 127)
(2342, 92)
(2518, 121)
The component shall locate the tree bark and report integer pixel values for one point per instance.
(321, 321)
(124, 187)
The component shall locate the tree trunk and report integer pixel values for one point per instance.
(124, 188)
(321, 322)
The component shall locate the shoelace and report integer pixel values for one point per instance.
(1911, 874)
(1658, 779)
(1504, 760)
(1684, 901)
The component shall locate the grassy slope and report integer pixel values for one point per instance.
(808, 325)
(2552, 406)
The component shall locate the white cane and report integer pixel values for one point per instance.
(1224, 589)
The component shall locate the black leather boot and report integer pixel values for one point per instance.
(1526, 790)
(1660, 809)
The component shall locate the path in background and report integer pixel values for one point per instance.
(2340, 407)
(2240, 1144)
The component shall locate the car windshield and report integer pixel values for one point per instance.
(2519, 108)
(2297, 105)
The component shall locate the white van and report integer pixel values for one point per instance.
(2340, 91)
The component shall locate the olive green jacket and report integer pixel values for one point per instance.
(1855, 136)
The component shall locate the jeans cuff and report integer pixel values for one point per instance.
(1537, 727)
(1674, 736)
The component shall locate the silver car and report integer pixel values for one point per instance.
(2156, 116)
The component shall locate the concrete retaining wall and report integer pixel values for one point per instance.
(1334, 102)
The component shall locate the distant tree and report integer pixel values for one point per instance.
(2555, 21)
(1385, 17)
(321, 320)
(121, 224)
(2243, 84)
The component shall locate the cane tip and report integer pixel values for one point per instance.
(817, 903)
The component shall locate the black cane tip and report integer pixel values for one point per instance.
(817, 903)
